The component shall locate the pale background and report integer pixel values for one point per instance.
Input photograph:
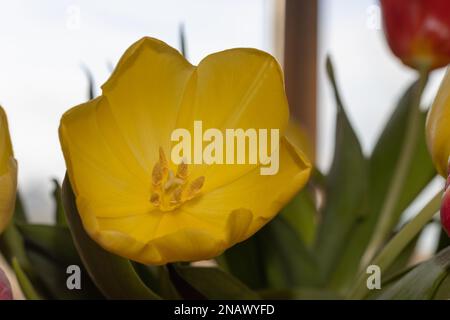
(44, 44)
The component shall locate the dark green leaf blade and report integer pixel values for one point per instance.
(214, 283)
(422, 282)
(381, 168)
(345, 192)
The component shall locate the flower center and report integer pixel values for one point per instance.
(169, 189)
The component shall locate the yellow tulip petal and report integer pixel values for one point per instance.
(8, 174)
(438, 127)
(113, 181)
(263, 195)
(236, 88)
(145, 93)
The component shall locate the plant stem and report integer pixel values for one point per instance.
(387, 256)
(386, 221)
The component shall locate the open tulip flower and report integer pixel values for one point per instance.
(438, 138)
(132, 198)
(8, 174)
(418, 31)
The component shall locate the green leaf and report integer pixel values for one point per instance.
(19, 210)
(301, 214)
(287, 261)
(422, 282)
(25, 284)
(381, 168)
(443, 292)
(167, 288)
(214, 283)
(114, 276)
(60, 216)
(252, 272)
(53, 278)
(55, 241)
(275, 257)
(345, 194)
(12, 245)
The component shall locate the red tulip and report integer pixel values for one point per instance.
(418, 31)
(5, 287)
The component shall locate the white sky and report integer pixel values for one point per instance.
(43, 44)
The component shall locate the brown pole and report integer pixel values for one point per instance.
(300, 62)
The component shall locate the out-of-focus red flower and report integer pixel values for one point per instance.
(445, 207)
(418, 31)
(5, 287)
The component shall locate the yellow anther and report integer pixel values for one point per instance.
(176, 196)
(157, 174)
(169, 189)
(155, 199)
(182, 171)
(195, 186)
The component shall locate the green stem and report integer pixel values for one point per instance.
(387, 256)
(403, 165)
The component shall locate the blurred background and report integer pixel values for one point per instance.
(46, 46)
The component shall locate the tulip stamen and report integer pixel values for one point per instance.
(170, 189)
(195, 187)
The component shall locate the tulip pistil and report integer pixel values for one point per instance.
(169, 189)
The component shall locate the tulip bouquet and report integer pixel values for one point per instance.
(135, 219)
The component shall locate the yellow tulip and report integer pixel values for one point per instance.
(116, 150)
(8, 174)
(438, 127)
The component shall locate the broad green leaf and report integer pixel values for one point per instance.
(403, 259)
(54, 241)
(275, 257)
(252, 272)
(443, 292)
(60, 216)
(301, 214)
(422, 282)
(25, 284)
(19, 210)
(53, 278)
(114, 276)
(381, 168)
(214, 283)
(12, 246)
(345, 193)
(167, 288)
(287, 261)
